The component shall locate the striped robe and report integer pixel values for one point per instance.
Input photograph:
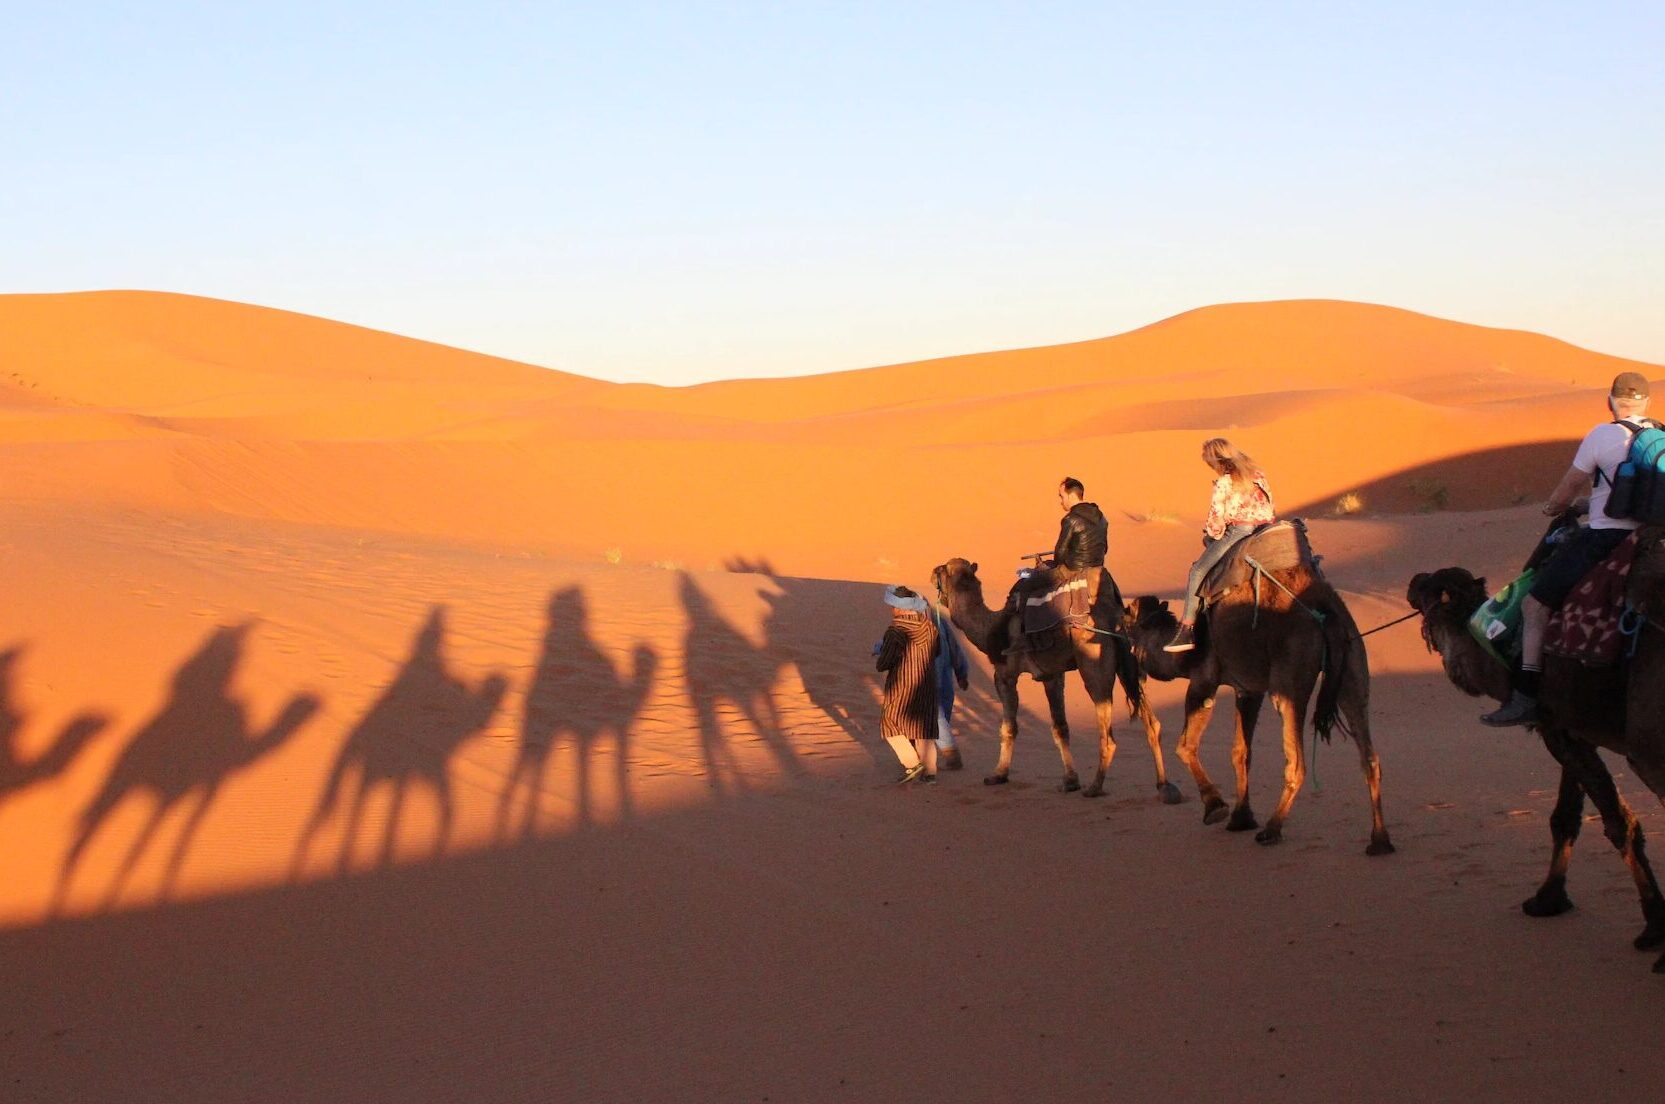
(908, 658)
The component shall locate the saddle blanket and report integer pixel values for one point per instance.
(1587, 626)
(1064, 602)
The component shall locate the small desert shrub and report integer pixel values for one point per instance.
(1433, 494)
(1349, 504)
(613, 556)
(1156, 517)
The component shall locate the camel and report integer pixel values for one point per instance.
(1278, 642)
(1581, 709)
(1100, 658)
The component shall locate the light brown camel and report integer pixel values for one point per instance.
(1581, 709)
(1295, 634)
(1101, 659)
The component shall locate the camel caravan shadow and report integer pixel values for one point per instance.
(181, 757)
(19, 772)
(404, 742)
(577, 697)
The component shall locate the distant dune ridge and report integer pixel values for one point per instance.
(203, 405)
(384, 721)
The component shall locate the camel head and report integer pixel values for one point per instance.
(1150, 612)
(1450, 592)
(957, 577)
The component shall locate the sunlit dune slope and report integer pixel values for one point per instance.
(200, 405)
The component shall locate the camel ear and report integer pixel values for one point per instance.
(974, 569)
(1164, 605)
(1413, 592)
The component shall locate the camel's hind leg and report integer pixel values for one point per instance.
(1242, 755)
(1005, 687)
(1621, 828)
(1061, 732)
(1355, 707)
(1100, 684)
(1292, 708)
(1133, 687)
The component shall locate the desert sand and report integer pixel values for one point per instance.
(384, 721)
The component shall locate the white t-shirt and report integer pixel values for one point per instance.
(1603, 449)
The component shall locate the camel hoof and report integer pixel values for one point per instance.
(1652, 936)
(1242, 820)
(1266, 837)
(1659, 965)
(995, 780)
(1095, 790)
(1379, 847)
(1547, 902)
(1215, 812)
(1170, 795)
(1069, 785)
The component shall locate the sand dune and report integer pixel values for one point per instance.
(383, 721)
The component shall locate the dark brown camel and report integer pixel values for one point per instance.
(1270, 644)
(1101, 660)
(1581, 709)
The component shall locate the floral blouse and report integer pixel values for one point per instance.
(1231, 506)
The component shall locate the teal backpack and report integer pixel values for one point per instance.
(1638, 491)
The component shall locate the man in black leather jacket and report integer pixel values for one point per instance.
(1084, 533)
(1083, 541)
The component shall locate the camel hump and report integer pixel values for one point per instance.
(1277, 547)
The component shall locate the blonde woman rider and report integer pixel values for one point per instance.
(1242, 502)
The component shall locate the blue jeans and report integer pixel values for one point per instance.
(1214, 550)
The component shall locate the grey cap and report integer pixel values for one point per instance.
(1629, 385)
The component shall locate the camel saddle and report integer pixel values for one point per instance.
(1590, 625)
(1276, 546)
(1064, 601)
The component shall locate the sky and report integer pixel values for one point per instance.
(678, 192)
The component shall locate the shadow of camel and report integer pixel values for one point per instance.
(406, 739)
(724, 668)
(577, 692)
(18, 773)
(199, 739)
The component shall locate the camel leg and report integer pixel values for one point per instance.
(1005, 686)
(1292, 708)
(1133, 687)
(1242, 755)
(1100, 684)
(1624, 832)
(1199, 708)
(1061, 732)
(182, 844)
(1564, 824)
(1355, 706)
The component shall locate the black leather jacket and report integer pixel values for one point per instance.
(1083, 538)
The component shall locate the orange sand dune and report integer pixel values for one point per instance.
(379, 721)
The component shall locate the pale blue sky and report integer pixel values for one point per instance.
(677, 192)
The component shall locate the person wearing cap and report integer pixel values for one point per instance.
(1241, 503)
(1586, 485)
(907, 656)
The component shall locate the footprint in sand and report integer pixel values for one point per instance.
(1435, 806)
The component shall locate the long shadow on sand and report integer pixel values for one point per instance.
(726, 673)
(199, 740)
(404, 742)
(576, 696)
(19, 773)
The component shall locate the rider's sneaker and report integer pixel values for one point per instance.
(1518, 710)
(1184, 640)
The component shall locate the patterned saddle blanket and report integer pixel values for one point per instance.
(1591, 624)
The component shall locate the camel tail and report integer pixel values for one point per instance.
(1131, 676)
(1339, 632)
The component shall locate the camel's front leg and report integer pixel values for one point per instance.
(1005, 685)
(1242, 755)
(1061, 732)
(1101, 685)
(1564, 824)
(1292, 708)
(1199, 707)
(1133, 685)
